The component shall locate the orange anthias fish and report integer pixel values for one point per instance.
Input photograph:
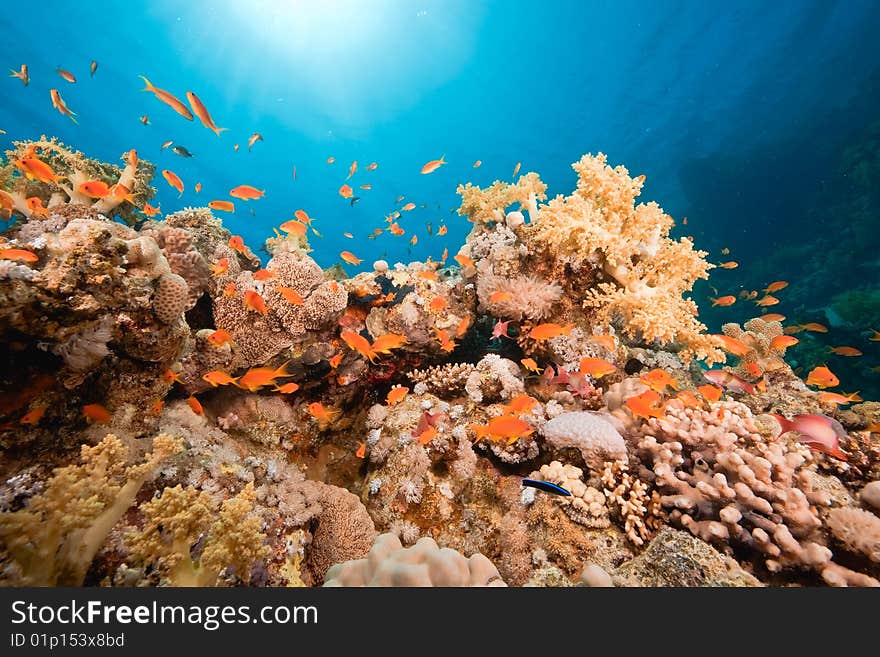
(220, 267)
(21, 74)
(294, 228)
(729, 265)
(145, 119)
(335, 360)
(157, 407)
(361, 450)
(94, 189)
(688, 398)
(427, 435)
(773, 317)
(223, 206)
(732, 345)
(813, 326)
(775, 286)
(442, 230)
(729, 300)
(219, 338)
(781, 342)
(263, 275)
(548, 331)
(324, 416)
(67, 75)
(396, 394)
(96, 413)
(500, 297)
(253, 301)
(477, 164)
(437, 304)
(822, 377)
(170, 376)
(433, 165)
(35, 205)
(395, 229)
(350, 258)
(463, 260)
(198, 187)
(366, 186)
(839, 399)
(92, 68)
(414, 240)
(504, 427)
(372, 166)
(36, 169)
(346, 192)
(446, 343)
(331, 160)
(521, 405)
(236, 243)
(462, 327)
(253, 139)
(290, 295)
(605, 340)
(531, 365)
(195, 405)
(59, 104)
(352, 169)
(22, 255)
(753, 369)
(516, 169)
(709, 392)
(357, 342)
(846, 351)
(303, 216)
(767, 301)
(229, 290)
(730, 381)
(385, 343)
(875, 335)
(169, 99)
(658, 380)
(247, 192)
(287, 388)
(33, 417)
(644, 405)
(258, 377)
(596, 367)
(173, 179)
(219, 378)
(408, 207)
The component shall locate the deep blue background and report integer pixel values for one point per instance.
(735, 111)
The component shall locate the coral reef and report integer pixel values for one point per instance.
(372, 430)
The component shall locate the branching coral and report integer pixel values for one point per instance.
(53, 540)
(193, 543)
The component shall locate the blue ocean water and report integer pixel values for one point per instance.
(739, 113)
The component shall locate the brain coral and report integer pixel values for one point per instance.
(172, 298)
(596, 438)
(423, 564)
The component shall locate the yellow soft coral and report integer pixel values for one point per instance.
(230, 540)
(54, 539)
(487, 205)
(599, 225)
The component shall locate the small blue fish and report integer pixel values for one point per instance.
(546, 486)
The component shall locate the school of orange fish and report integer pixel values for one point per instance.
(508, 427)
